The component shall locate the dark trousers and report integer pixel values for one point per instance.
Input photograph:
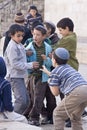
(42, 91)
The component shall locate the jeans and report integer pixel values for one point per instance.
(41, 91)
(20, 94)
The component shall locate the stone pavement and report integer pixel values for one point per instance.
(22, 126)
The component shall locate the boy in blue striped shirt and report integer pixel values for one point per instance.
(67, 80)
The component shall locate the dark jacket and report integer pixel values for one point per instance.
(30, 19)
(5, 89)
(54, 38)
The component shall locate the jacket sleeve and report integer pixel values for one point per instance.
(48, 62)
(7, 98)
(17, 60)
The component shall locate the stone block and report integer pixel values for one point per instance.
(17, 126)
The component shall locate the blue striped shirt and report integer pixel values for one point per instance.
(66, 78)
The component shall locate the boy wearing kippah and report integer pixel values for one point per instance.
(67, 80)
(41, 51)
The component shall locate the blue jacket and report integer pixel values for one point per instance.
(47, 62)
(5, 89)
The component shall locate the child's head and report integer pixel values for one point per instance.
(60, 56)
(39, 34)
(66, 22)
(3, 70)
(65, 26)
(33, 10)
(19, 18)
(50, 27)
(16, 32)
(34, 24)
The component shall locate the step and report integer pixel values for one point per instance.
(17, 126)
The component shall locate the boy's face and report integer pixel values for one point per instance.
(48, 31)
(64, 32)
(17, 37)
(38, 37)
(33, 12)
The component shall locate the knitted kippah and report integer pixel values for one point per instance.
(19, 17)
(62, 53)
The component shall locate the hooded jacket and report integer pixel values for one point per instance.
(5, 89)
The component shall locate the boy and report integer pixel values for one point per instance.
(68, 40)
(51, 34)
(15, 57)
(72, 85)
(6, 108)
(41, 52)
(32, 16)
(18, 19)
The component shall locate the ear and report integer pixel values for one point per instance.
(54, 61)
(67, 28)
(44, 36)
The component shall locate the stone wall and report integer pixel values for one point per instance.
(75, 9)
(10, 7)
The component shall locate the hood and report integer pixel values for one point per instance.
(3, 70)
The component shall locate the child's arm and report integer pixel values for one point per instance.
(44, 69)
(54, 90)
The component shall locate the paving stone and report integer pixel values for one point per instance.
(17, 126)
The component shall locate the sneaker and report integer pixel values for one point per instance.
(34, 122)
(43, 120)
(84, 114)
(50, 121)
(68, 123)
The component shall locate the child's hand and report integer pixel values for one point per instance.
(44, 69)
(43, 57)
(50, 55)
(35, 65)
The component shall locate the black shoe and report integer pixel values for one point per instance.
(50, 121)
(84, 114)
(68, 123)
(44, 120)
(34, 122)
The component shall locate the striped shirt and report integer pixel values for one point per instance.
(39, 51)
(66, 78)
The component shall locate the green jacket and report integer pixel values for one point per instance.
(70, 43)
